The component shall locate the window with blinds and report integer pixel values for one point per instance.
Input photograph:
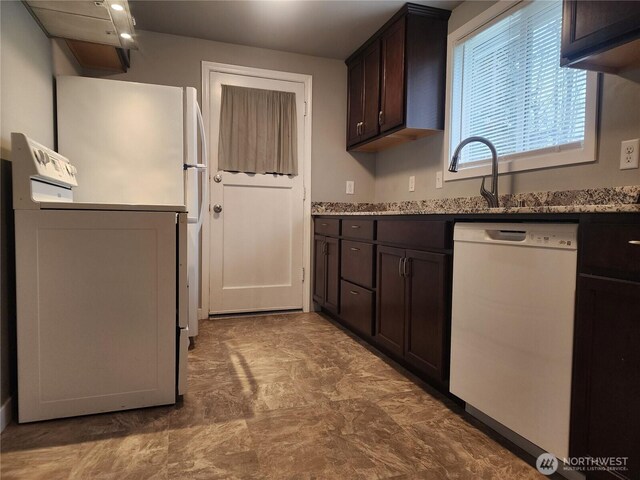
(507, 85)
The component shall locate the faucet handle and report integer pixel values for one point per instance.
(490, 197)
(483, 191)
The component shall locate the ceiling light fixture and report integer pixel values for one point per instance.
(117, 7)
(126, 36)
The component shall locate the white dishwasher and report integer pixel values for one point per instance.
(512, 326)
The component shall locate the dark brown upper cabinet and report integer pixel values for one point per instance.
(396, 81)
(601, 35)
(391, 113)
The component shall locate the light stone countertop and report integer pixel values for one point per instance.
(597, 200)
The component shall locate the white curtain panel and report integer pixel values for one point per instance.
(258, 131)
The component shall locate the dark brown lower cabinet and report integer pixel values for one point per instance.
(412, 309)
(426, 338)
(605, 418)
(326, 282)
(356, 307)
(319, 269)
(389, 331)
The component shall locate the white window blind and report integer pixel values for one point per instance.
(508, 86)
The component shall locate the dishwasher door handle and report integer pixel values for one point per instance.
(507, 235)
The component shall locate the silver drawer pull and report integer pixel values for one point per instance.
(324, 224)
(354, 249)
(352, 292)
(634, 242)
(355, 226)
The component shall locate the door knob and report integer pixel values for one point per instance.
(217, 208)
(217, 178)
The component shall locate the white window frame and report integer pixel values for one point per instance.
(552, 157)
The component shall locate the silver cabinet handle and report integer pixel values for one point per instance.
(355, 226)
(634, 242)
(405, 270)
(324, 224)
(352, 292)
(325, 249)
(217, 208)
(380, 118)
(354, 249)
(400, 267)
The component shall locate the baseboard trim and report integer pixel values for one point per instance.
(5, 414)
(521, 442)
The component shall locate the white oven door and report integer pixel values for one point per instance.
(96, 297)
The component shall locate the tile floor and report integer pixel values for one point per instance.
(272, 397)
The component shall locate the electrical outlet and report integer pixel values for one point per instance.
(350, 187)
(412, 183)
(629, 154)
(439, 179)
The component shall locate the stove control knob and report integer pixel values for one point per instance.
(40, 156)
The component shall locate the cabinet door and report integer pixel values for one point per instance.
(391, 299)
(392, 90)
(605, 418)
(425, 334)
(594, 26)
(319, 269)
(355, 92)
(356, 307)
(332, 291)
(357, 263)
(370, 126)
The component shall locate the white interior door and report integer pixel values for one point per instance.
(256, 256)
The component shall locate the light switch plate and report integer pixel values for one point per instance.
(629, 154)
(412, 183)
(439, 179)
(350, 187)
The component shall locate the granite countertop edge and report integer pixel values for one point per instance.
(626, 208)
(623, 199)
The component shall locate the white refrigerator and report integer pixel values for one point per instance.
(137, 143)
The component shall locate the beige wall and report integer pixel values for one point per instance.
(26, 105)
(619, 120)
(27, 78)
(176, 60)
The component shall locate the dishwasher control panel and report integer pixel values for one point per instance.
(547, 235)
(552, 239)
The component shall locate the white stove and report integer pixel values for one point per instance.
(101, 294)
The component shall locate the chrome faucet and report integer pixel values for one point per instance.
(490, 196)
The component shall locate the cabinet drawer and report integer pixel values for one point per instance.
(327, 226)
(356, 307)
(358, 229)
(419, 234)
(611, 250)
(357, 263)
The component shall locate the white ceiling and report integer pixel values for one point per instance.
(329, 28)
